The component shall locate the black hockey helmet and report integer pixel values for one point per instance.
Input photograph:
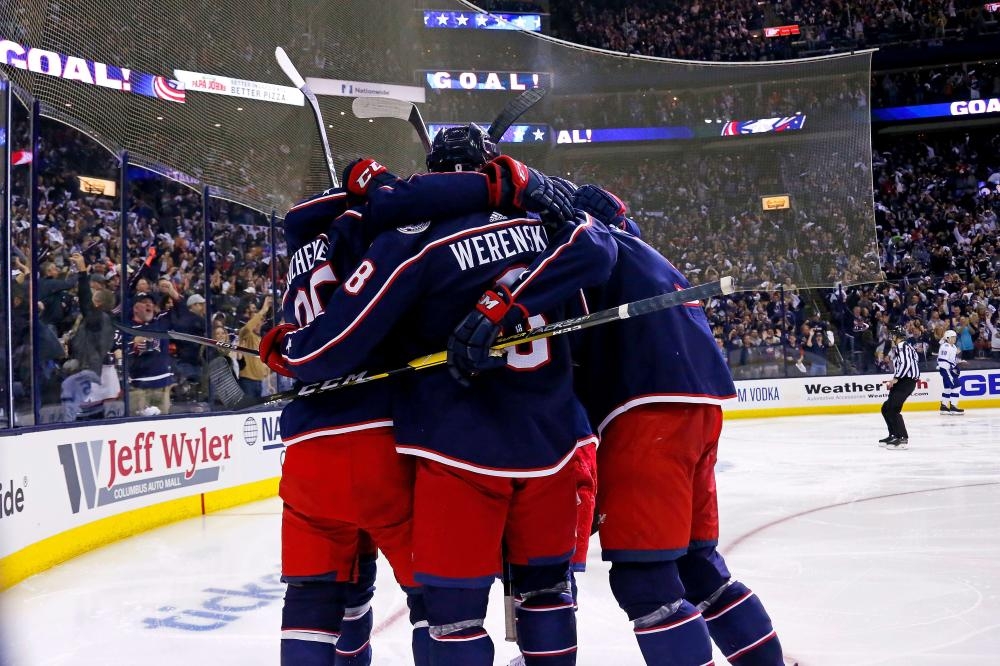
(898, 332)
(464, 148)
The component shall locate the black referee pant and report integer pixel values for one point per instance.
(893, 405)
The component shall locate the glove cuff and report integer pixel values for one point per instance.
(498, 306)
(507, 178)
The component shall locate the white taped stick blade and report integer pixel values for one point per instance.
(728, 284)
(288, 68)
(381, 107)
(227, 389)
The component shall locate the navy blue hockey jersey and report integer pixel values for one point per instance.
(317, 264)
(419, 282)
(665, 356)
(325, 244)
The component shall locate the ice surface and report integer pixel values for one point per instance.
(863, 556)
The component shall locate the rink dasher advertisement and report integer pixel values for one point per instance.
(803, 395)
(60, 479)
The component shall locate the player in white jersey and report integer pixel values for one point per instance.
(948, 359)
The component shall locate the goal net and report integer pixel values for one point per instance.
(760, 170)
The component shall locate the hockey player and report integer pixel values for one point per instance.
(332, 447)
(947, 364)
(653, 386)
(342, 480)
(490, 454)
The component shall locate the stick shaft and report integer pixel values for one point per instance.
(634, 309)
(185, 337)
(293, 75)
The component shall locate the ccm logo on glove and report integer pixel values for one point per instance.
(361, 174)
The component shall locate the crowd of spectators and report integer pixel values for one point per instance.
(979, 80)
(79, 245)
(937, 198)
(732, 30)
(936, 204)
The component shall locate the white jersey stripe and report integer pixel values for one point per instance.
(488, 471)
(336, 430)
(661, 397)
(308, 635)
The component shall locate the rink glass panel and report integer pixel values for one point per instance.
(784, 208)
(6, 346)
(22, 354)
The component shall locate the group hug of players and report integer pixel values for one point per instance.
(455, 474)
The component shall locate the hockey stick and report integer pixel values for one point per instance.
(509, 615)
(725, 285)
(293, 75)
(223, 381)
(385, 107)
(186, 337)
(513, 111)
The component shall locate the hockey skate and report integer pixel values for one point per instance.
(882, 442)
(944, 409)
(955, 410)
(897, 443)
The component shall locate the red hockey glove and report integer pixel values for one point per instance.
(515, 187)
(364, 174)
(469, 345)
(270, 349)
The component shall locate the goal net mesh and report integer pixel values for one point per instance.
(760, 170)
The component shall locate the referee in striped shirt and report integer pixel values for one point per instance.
(906, 372)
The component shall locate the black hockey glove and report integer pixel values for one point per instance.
(603, 205)
(515, 187)
(469, 345)
(364, 174)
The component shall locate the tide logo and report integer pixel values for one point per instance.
(11, 499)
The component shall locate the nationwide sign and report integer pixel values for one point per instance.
(81, 70)
(342, 88)
(225, 85)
